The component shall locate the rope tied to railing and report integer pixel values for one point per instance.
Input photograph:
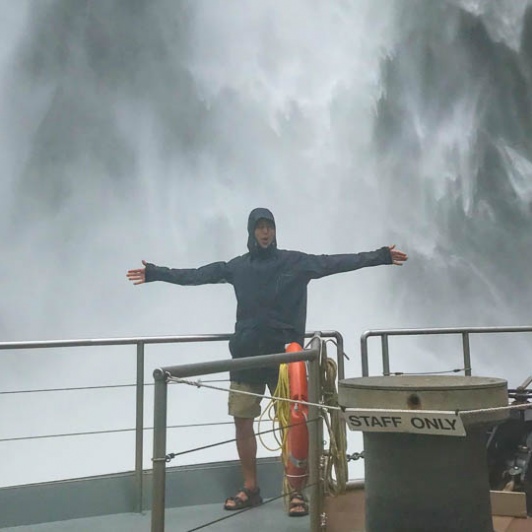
(517, 406)
(330, 413)
(200, 384)
(457, 412)
(335, 467)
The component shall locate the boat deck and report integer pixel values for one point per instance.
(511, 524)
(267, 517)
(345, 514)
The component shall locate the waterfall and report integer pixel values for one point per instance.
(148, 130)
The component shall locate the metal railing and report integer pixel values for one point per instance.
(164, 375)
(465, 332)
(140, 343)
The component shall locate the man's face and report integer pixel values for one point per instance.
(264, 232)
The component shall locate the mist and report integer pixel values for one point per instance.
(148, 130)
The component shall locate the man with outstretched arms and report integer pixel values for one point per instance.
(271, 291)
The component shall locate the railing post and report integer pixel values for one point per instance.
(467, 354)
(139, 428)
(340, 377)
(315, 440)
(385, 355)
(364, 354)
(159, 451)
(340, 356)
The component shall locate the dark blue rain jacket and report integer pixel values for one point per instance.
(271, 292)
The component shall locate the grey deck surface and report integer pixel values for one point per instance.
(265, 518)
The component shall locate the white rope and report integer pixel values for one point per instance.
(457, 412)
(520, 406)
(199, 384)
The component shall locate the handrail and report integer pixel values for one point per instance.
(464, 331)
(164, 375)
(116, 341)
(140, 343)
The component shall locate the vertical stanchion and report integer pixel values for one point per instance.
(340, 356)
(139, 428)
(364, 355)
(385, 355)
(340, 377)
(159, 451)
(467, 354)
(314, 439)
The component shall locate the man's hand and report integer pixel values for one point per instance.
(138, 276)
(398, 257)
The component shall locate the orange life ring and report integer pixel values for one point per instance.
(296, 461)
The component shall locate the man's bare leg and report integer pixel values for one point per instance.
(246, 445)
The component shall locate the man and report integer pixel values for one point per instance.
(271, 291)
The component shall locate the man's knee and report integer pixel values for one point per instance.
(244, 426)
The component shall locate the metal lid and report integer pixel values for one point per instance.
(422, 382)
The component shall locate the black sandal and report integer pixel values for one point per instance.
(253, 499)
(298, 505)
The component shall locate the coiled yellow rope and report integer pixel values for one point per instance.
(337, 455)
(278, 412)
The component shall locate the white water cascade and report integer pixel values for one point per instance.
(149, 129)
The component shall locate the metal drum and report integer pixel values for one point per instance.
(425, 466)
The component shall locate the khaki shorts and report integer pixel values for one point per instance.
(247, 406)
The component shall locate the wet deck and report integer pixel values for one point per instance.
(264, 518)
(345, 514)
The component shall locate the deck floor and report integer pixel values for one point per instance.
(346, 514)
(264, 518)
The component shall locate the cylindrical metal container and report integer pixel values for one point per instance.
(422, 482)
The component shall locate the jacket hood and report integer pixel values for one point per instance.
(254, 216)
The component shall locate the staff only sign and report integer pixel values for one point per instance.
(411, 421)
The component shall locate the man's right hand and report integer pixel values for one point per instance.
(398, 257)
(138, 276)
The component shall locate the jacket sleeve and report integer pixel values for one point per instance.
(217, 272)
(317, 266)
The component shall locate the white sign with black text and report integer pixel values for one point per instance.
(414, 422)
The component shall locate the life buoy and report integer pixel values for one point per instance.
(296, 459)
